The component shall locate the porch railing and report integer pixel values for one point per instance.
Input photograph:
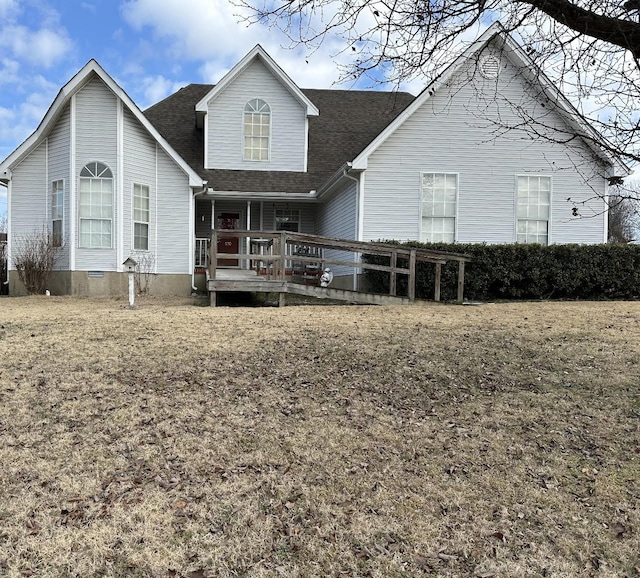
(202, 253)
(270, 252)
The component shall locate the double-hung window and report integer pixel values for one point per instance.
(57, 212)
(534, 201)
(96, 206)
(287, 220)
(257, 130)
(140, 217)
(439, 200)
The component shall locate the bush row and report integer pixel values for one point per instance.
(525, 272)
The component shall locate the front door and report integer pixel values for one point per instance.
(228, 221)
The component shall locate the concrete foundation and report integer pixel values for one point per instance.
(104, 284)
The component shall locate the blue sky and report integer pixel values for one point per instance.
(150, 47)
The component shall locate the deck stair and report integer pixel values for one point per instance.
(289, 263)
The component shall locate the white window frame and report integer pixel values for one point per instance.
(256, 107)
(286, 216)
(99, 172)
(455, 217)
(519, 219)
(57, 211)
(136, 220)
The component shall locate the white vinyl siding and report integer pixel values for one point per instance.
(96, 206)
(534, 201)
(57, 212)
(337, 219)
(439, 200)
(173, 240)
(96, 138)
(459, 122)
(29, 198)
(60, 170)
(257, 128)
(140, 217)
(225, 124)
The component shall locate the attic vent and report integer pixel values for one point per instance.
(490, 66)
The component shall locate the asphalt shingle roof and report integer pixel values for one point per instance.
(348, 122)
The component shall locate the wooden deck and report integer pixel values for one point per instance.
(230, 280)
(278, 262)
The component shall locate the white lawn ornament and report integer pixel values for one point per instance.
(327, 277)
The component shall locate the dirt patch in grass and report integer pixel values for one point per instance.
(175, 440)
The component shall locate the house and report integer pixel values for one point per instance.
(257, 152)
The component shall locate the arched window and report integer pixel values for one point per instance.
(96, 206)
(257, 130)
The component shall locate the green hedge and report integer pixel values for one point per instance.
(525, 272)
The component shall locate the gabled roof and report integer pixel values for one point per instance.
(89, 71)
(532, 72)
(258, 53)
(349, 120)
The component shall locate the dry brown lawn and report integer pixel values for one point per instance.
(185, 441)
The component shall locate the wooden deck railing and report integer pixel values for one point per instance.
(276, 255)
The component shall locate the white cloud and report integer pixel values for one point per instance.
(8, 9)
(19, 121)
(37, 47)
(40, 46)
(158, 87)
(209, 31)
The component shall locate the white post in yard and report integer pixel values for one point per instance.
(131, 291)
(130, 266)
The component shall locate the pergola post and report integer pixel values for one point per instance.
(436, 293)
(460, 282)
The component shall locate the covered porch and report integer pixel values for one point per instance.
(286, 262)
(225, 214)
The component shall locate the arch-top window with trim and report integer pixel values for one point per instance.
(96, 206)
(257, 130)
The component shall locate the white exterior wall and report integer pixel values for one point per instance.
(28, 202)
(337, 218)
(173, 216)
(140, 168)
(452, 133)
(96, 140)
(225, 123)
(59, 157)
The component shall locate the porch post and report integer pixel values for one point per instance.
(248, 239)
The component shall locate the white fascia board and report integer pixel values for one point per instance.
(281, 75)
(64, 95)
(524, 63)
(259, 196)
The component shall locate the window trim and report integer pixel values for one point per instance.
(455, 223)
(515, 205)
(62, 217)
(270, 113)
(134, 221)
(79, 201)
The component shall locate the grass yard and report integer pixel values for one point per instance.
(185, 441)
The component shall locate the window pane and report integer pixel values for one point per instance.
(141, 236)
(56, 233)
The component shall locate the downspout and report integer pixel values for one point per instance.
(193, 236)
(357, 182)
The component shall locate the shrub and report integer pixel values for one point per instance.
(34, 257)
(526, 272)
